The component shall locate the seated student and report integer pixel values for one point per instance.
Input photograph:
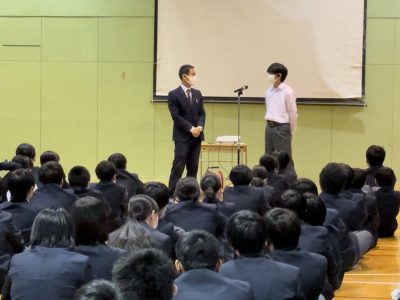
(198, 262)
(388, 201)
(115, 195)
(332, 181)
(259, 172)
(260, 180)
(97, 290)
(211, 187)
(28, 151)
(144, 210)
(283, 233)
(21, 184)
(242, 194)
(284, 168)
(44, 158)
(372, 221)
(131, 237)
(278, 182)
(49, 268)
(89, 216)
(375, 157)
(51, 195)
(144, 275)
(313, 238)
(189, 214)
(247, 233)
(130, 180)
(79, 178)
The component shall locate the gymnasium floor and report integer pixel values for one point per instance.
(377, 274)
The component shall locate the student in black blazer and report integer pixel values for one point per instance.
(247, 233)
(49, 269)
(242, 194)
(278, 182)
(89, 216)
(187, 111)
(198, 262)
(190, 214)
(21, 184)
(115, 195)
(18, 162)
(51, 195)
(375, 157)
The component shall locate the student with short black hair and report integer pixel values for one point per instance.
(48, 267)
(21, 184)
(27, 150)
(198, 262)
(283, 233)
(47, 156)
(278, 182)
(51, 195)
(97, 290)
(145, 275)
(388, 201)
(79, 179)
(247, 233)
(242, 194)
(304, 185)
(89, 216)
(375, 156)
(285, 168)
(115, 195)
(131, 181)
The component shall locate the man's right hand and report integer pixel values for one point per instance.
(195, 131)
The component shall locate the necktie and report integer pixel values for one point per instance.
(189, 95)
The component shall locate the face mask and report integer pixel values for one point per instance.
(192, 80)
(271, 78)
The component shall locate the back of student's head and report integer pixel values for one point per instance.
(27, 150)
(259, 171)
(293, 200)
(23, 162)
(20, 183)
(119, 160)
(105, 170)
(257, 182)
(332, 178)
(240, 175)
(349, 175)
(268, 162)
(49, 156)
(246, 232)
(131, 237)
(51, 172)
(283, 159)
(385, 177)
(52, 228)
(187, 189)
(276, 69)
(375, 155)
(283, 228)
(89, 216)
(359, 177)
(198, 249)
(140, 207)
(304, 185)
(210, 184)
(316, 210)
(157, 191)
(99, 289)
(79, 177)
(147, 274)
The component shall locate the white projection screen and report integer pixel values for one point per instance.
(232, 42)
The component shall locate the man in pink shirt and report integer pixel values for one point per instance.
(281, 115)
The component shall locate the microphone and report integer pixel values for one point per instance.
(241, 89)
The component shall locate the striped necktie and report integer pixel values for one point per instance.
(189, 95)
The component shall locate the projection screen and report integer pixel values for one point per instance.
(232, 42)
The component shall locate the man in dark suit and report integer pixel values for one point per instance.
(21, 184)
(247, 233)
(51, 195)
(283, 236)
(187, 111)
(198, 261)
(242, 194)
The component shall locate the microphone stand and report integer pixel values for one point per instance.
(239, 93)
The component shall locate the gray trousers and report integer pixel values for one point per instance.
(278, 138)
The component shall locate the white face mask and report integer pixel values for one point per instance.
(271, 78)
(192, 80)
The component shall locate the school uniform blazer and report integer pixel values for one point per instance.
(247, 197)
(388, 202)
(51, 196)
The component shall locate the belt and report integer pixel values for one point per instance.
(274, 124)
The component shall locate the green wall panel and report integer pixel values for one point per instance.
(380, 41)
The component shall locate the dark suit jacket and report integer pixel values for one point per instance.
(51, 196)
(102, 258)
(388, 202)
(370, 176)
(247, 197)
(186, 115)
(313, 268)
(190, 215)
(158, 239)
(278, 182)
(11, 242)
(117, 198)
(268, 279)
(206, 284)
(131, 181)
(22, 216)
(169, 229)
(46, 273)
(289, 173)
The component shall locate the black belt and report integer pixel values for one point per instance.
(274, 124)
